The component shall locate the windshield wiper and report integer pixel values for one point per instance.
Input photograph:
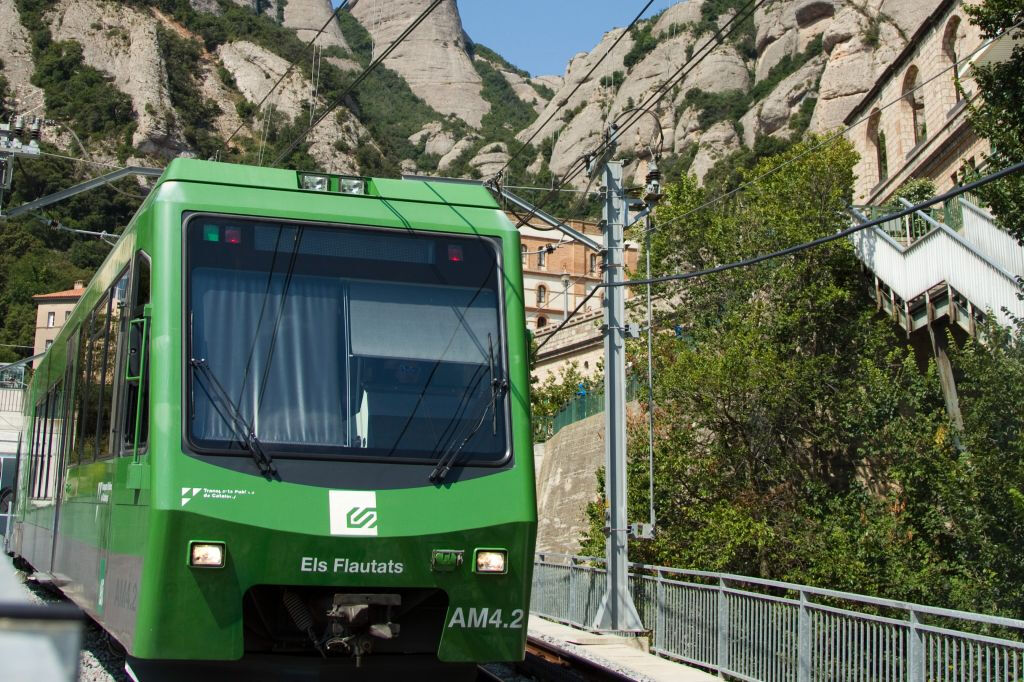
(498, 389)
(234, 419)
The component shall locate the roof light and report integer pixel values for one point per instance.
(206, 554)
(353, 186)
(317, 183)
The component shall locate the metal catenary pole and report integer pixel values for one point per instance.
(617, 611)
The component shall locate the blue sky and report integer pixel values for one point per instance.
(541, 35)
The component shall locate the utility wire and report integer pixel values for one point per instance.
(716, 40)
(840, 133)
(565, 101)
(1009, 170)
(992, 177)
(334, 15)
(358, 80)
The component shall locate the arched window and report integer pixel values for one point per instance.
(523, 250)
(542, 322)
(950, 39)
(542, 294)
(876, 138)
(593, 262)
(914, 104)
(542, 257)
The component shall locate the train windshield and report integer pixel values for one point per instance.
(344, 342)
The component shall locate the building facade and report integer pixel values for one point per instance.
(916, 112)
(52, 310)
(559, 272)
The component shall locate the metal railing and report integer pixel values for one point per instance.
(755, 629)
(12, 399)
(577, 409)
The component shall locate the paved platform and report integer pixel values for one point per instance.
(621, 651)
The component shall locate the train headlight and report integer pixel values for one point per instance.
(207, 554)
(491, 561)
(317, 183)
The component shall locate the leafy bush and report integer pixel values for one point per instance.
(787, 66)
(613, 80)
(644, 43)
(717, 106)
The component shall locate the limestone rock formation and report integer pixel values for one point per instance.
(771, 116)
(434, 59)
(255, 71)
(16, 54)
(308, 16)
(455, 152)
(491, 160)
(121, 41)
(436, 140)
(718, 141)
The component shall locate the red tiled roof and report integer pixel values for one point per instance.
(68, 293)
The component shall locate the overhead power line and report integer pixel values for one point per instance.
(840, 133)
(359, 79)
(334, 15)
(796, 248)
(716, 40)
(585, 79)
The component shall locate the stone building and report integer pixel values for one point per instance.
(916, 115)
(51, 312)
(558, 273)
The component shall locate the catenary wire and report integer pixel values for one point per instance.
(565, 100)
(334, 15)
(358, 80)
(992, 177)
(706, 49)
(834, 136)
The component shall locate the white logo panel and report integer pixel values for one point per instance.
(353, 512)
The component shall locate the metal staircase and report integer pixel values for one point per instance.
(924, 269)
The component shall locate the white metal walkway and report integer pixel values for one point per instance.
(962, 274)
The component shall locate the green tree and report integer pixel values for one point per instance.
(999, 116)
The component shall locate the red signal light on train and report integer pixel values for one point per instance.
(232, 235)
(454, 254)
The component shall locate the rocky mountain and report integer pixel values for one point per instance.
(181, 76)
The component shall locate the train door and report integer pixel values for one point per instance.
(67, 411)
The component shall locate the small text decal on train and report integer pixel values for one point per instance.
(353, 512)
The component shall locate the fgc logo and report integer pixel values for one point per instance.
(353, 512)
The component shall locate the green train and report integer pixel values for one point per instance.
(287, 428)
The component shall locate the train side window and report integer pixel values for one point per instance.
(92, 375)
(135, 378)
(71, 397)
(116, 321)
(82, 392)
(38, 428)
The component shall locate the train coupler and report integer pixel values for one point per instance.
(354, 619)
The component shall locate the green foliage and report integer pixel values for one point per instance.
(795, 438)
(644, 43)
(280, 10)
(183, 60)
(547, 398)
(490, 55)
(358, 38)
(802, 119)
(717, 106)
(508, 114)
(542, 90)
(713, 11)
(613, 80)
(35, 259)
(997, 113)
(75, 93)
(787, 66)
(4, 111)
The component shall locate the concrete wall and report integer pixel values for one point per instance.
(567, 482)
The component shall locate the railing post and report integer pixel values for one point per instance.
(723, 629)
(803, 640)
(915, 651)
